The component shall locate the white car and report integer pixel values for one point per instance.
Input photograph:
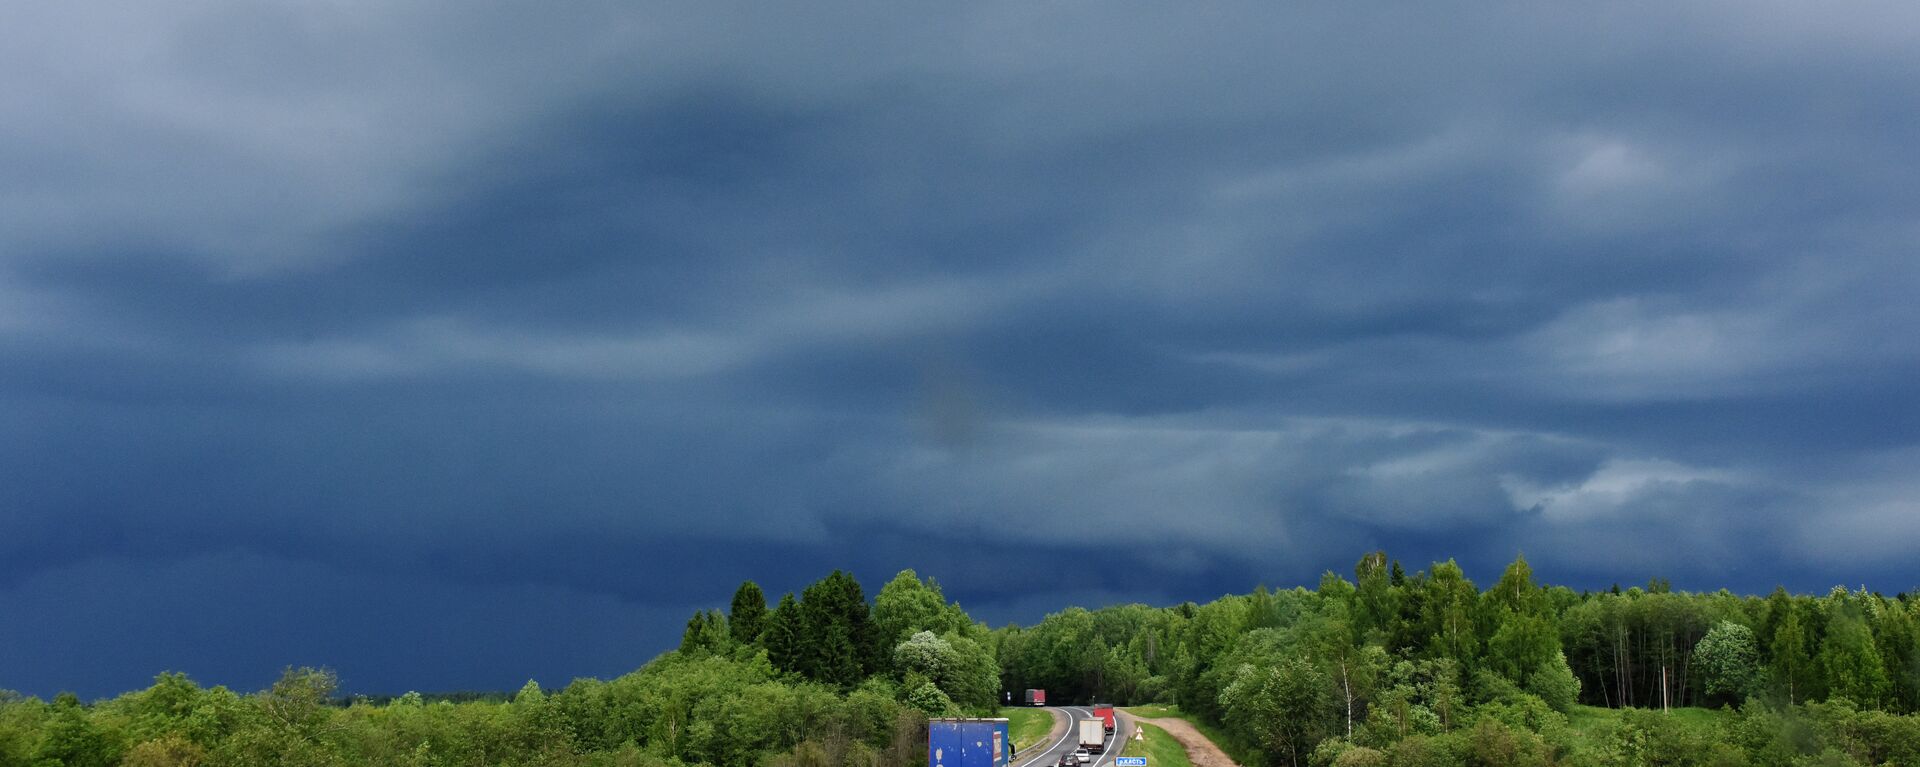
(1082, 756)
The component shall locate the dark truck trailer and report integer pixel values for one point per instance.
(968, 743)
(1036, 698)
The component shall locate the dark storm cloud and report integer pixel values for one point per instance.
(606, 311)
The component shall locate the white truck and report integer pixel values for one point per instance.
(1093, 735)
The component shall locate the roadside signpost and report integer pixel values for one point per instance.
(1129, 761)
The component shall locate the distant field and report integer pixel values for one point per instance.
(1160, 749)
(1027, 726)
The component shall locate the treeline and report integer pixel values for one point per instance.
(1428, 669)
(822, 680)
(909, 635)
(1384, 670)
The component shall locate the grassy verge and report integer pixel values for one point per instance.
(1236, 750)
(1027, 726)
(1160, 749)
(1155, 710)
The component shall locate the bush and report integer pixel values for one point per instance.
(928, 698)
(1529, 714)
(1155, 689)
(1653, 738)
(1485, 686)
(168, 751)
(1555, 683)
(1869, 737)
(628, 755)
(1494, 744)
(1420, 751)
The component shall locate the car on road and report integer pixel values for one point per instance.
(1083, 756)
(1069, 760)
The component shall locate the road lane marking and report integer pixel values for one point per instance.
(1119, 737)
(1071, 733)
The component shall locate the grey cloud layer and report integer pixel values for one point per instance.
(634, 303)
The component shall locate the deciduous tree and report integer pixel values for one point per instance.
(1729, 661)
(1848, 658)
(1286, 706)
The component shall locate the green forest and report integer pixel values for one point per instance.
(1384, 668)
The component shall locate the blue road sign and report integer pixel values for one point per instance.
(1129, 761)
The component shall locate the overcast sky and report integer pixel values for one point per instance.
(455, 344)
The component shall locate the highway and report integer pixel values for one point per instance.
(1048, 754)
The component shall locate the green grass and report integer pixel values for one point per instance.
(1582, 717)
(1586, 723)
(1590, 724)
(1155, 711)
(1027, 726)
(1160, 749)
(1235, 750)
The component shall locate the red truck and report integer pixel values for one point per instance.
(1105, 712)
(1036, 697)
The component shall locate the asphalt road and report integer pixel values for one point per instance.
(1048, 754)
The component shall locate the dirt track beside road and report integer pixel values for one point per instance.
(1201, 751)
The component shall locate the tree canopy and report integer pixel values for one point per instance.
(1390, 668)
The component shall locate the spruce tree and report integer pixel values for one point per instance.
(747, 616)
(840, 646)
(706, 632)
(783, 634)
